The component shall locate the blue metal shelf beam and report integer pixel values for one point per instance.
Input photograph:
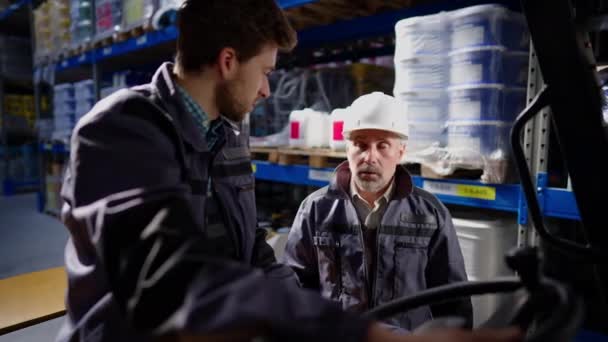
(287, 4)
(461, 192)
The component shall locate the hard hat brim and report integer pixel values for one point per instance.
(347, 132)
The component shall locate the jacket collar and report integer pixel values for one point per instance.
(163, 81)
(340, 183)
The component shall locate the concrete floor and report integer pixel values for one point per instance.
(29, 241)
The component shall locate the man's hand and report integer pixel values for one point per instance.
(378, 333)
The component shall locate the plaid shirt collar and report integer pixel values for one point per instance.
(200, 117)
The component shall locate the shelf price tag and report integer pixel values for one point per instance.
(106, 51)
(461, 190)
(254, 168)
(320, 175)
(141, 40)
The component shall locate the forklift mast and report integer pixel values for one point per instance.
(565, 57)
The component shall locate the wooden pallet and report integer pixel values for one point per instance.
(499, 172)
(134, 32)
(313, 157)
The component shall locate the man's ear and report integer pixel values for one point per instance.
(228, 63)
(401, 150)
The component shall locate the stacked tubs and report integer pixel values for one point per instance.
(488, 73)
(421, 75)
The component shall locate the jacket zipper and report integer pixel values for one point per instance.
(373, 300)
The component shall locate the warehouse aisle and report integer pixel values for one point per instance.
(30, 242)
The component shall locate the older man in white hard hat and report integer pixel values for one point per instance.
(371, 236)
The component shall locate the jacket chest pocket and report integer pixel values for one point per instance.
(329, 262)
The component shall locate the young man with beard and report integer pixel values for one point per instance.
(371, 236)
(159, 201)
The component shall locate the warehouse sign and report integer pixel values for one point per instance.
(461, 190)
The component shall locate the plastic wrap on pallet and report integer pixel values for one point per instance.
(494, 102)
(488, 64)
(108, 18)
(16, 58)
(485, 25)
(425, 35)
(474, 145)
(321, 89)
(137, 13)
(82, 24)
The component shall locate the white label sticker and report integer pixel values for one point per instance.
(468, 35)
(440, 188)
(466, 73)
(141, 40)
(461, 110)
(320, 175)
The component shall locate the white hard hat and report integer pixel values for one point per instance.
(377, 111)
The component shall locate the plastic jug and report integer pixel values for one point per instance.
(316, 133)
(337, 118)
(298, 120)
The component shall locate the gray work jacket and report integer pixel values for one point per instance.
(140, 189)
(416, 249)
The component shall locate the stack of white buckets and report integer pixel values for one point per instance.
(309, 128)
(461, 76)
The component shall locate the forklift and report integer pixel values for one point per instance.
(560, 292)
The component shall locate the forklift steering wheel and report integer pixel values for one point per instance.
(545, 309)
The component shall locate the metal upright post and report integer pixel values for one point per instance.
(4, 136)
(536, 140)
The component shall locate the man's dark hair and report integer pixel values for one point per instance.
(208, 26)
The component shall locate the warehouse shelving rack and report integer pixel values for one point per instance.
(13, 20)
(557, 203)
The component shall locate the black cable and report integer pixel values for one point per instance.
(443, 293)
(540, 101)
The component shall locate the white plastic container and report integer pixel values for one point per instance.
(424, 35)
(84, 90)
(298, 122)
(317, 134)
(421, 72)
(488, 64)
(484, 25)
(484, 241)
(424, 104)
(425, 134)
(337, 119)
(478, 138)
(308, 128)
(493, 102)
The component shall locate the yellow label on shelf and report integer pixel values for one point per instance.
(461, 190)
(476, 191)
(254, 167)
